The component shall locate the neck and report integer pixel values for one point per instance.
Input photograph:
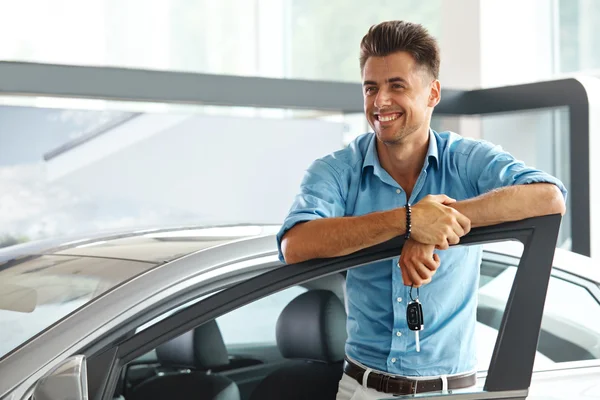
(404, 160)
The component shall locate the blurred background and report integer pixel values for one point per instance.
(73, 164)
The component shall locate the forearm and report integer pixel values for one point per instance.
(512, 203)
(333, 237)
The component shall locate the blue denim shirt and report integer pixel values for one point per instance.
(351, 182)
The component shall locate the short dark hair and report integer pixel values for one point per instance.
(392, 36)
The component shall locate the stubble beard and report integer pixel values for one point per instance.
(400, 136)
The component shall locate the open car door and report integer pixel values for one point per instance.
(510, 370)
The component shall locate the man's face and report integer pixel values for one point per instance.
(399, 96)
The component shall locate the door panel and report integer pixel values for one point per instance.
(509, 375)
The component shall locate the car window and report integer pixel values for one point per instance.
(255, 323)
(39, 291)
(571, 321)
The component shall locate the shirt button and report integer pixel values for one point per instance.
(399, 299)
(398, 333)
(398, 191)
(393, 360)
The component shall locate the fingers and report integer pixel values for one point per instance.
(464, 222)
(433, 263)
(418, 263)
(438, 224)
(443, 245)
(452, 237)
(419, 274)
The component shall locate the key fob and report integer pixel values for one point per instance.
(414, 315)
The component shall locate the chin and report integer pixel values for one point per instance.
(388, 138)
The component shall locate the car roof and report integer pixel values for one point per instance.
(147, 245)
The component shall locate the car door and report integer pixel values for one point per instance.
(567, 361)
(510, 370)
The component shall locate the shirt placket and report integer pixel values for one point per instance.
(399, 293)
(418, 186)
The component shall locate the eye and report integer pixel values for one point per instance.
(370, 89)
(397, 86)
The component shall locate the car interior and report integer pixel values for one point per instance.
(310, 335)
(304, 360)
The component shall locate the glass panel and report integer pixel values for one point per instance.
(97, 166)
(541, 139)
(248, 335)
(579, 35)
(325, 37)
(255, 323)
(274, 38)
(568, 333)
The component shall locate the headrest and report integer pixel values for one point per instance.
(200, 348)
(313, 327)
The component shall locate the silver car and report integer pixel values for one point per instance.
(211, 313)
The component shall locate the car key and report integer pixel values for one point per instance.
(414, 317)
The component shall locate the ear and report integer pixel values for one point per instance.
(435, 94)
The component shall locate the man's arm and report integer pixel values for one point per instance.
(333, 237)
(419, 263)
(512, 203)
(432, 222)
(503, 189)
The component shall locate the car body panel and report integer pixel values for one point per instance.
(206, 267)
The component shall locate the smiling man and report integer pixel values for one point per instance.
(406, 179)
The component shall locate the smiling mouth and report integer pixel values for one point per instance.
(388, 117)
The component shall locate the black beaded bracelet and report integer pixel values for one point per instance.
(408, 223)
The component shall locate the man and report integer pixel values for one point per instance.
(363, 195)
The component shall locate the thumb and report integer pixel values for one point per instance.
(405, 279)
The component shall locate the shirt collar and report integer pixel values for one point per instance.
(372, 159)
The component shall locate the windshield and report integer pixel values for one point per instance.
(40, 291)
(37, 291)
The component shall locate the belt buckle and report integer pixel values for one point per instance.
(412, 386)
(405, 386)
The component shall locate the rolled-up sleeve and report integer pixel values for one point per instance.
(322, 195)
(489, 167)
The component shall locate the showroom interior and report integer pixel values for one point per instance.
(134, 132)
(79, 90)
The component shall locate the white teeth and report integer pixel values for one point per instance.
(388, 118)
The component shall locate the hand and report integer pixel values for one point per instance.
(434, 223)
(418, 263)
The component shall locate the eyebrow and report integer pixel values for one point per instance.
(391, 80)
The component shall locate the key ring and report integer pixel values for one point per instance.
(411, 296)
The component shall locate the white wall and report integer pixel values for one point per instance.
(220, 169)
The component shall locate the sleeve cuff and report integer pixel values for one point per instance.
(288, 224)
(545, 179)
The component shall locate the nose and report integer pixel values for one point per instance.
(382, 98)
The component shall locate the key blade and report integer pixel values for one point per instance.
(417, 340)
